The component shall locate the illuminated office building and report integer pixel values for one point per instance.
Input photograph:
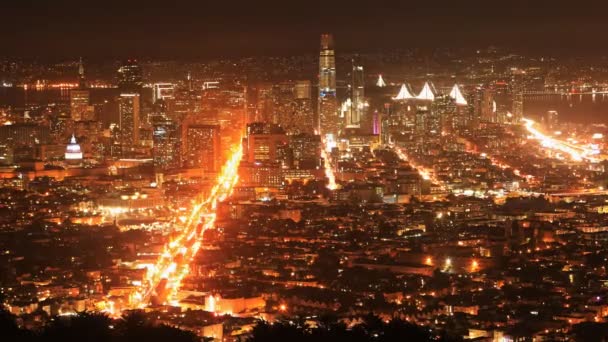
(304, 115)
(82, 82)
(79, 105)
(201, 147)
(329, 123)
(357, 96)
(306, 151)
(454, 110)
(80, 108)
(292, 108)
(427, 120)
(485, 110)
(183, 104)
(266, 103)
(24, 134)
(260, 174)
(165, 136)
(128, 124)
(162, 91)
(303, 89)
(517, 90)
(130, 76)
(263, 142)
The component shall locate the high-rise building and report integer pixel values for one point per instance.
(260, 174)
(162, 91)
(377, 123)
(303, 117)
(306, 151)
(201, 146)
(517, 90)
(183, 104)
(303, 90)
(265, 111)
(483, 102)
(80, 109)
(25, 134)
(427, 120)
(128, 124)
(80, 98)
(130, 76)
(327, 104)
(262, 142)
(165, 139)
(327, 65)
(61, 126)
(291, 107)
(422, 123)
(456, 112)
(357, 96)
(81, 77)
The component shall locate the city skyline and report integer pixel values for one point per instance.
(360, 189)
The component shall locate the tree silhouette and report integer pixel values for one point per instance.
(590, 332)
(94, 327)
(9, 330)
(372, 329)
(266, 332)
(399, 330)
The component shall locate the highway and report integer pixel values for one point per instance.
(576, 153)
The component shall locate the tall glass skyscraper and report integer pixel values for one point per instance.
(128, 111)
(327, 65)
(327, 104)
(357, 96)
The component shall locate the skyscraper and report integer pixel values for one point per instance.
(518, 87)
(262, 142)
(484, 104)
(130, 76)
(327, 103)
(306, 151)
(165, 136)
(79, 105)
(288, 104)
(80, 98)
(357, 95)
(201, 146)
(129, 112)
(327, 65)
(265, 103)
(304, 114)
(162, 91)
(302, 89)
(81, 77)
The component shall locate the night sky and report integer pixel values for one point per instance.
(173, 28)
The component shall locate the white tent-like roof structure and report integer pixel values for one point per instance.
(404, 94)
(380, 83)
(456, 94)
(426, 93)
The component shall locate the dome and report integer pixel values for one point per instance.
(73, 151)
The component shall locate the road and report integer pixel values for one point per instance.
(576, 153)
(164, 278)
